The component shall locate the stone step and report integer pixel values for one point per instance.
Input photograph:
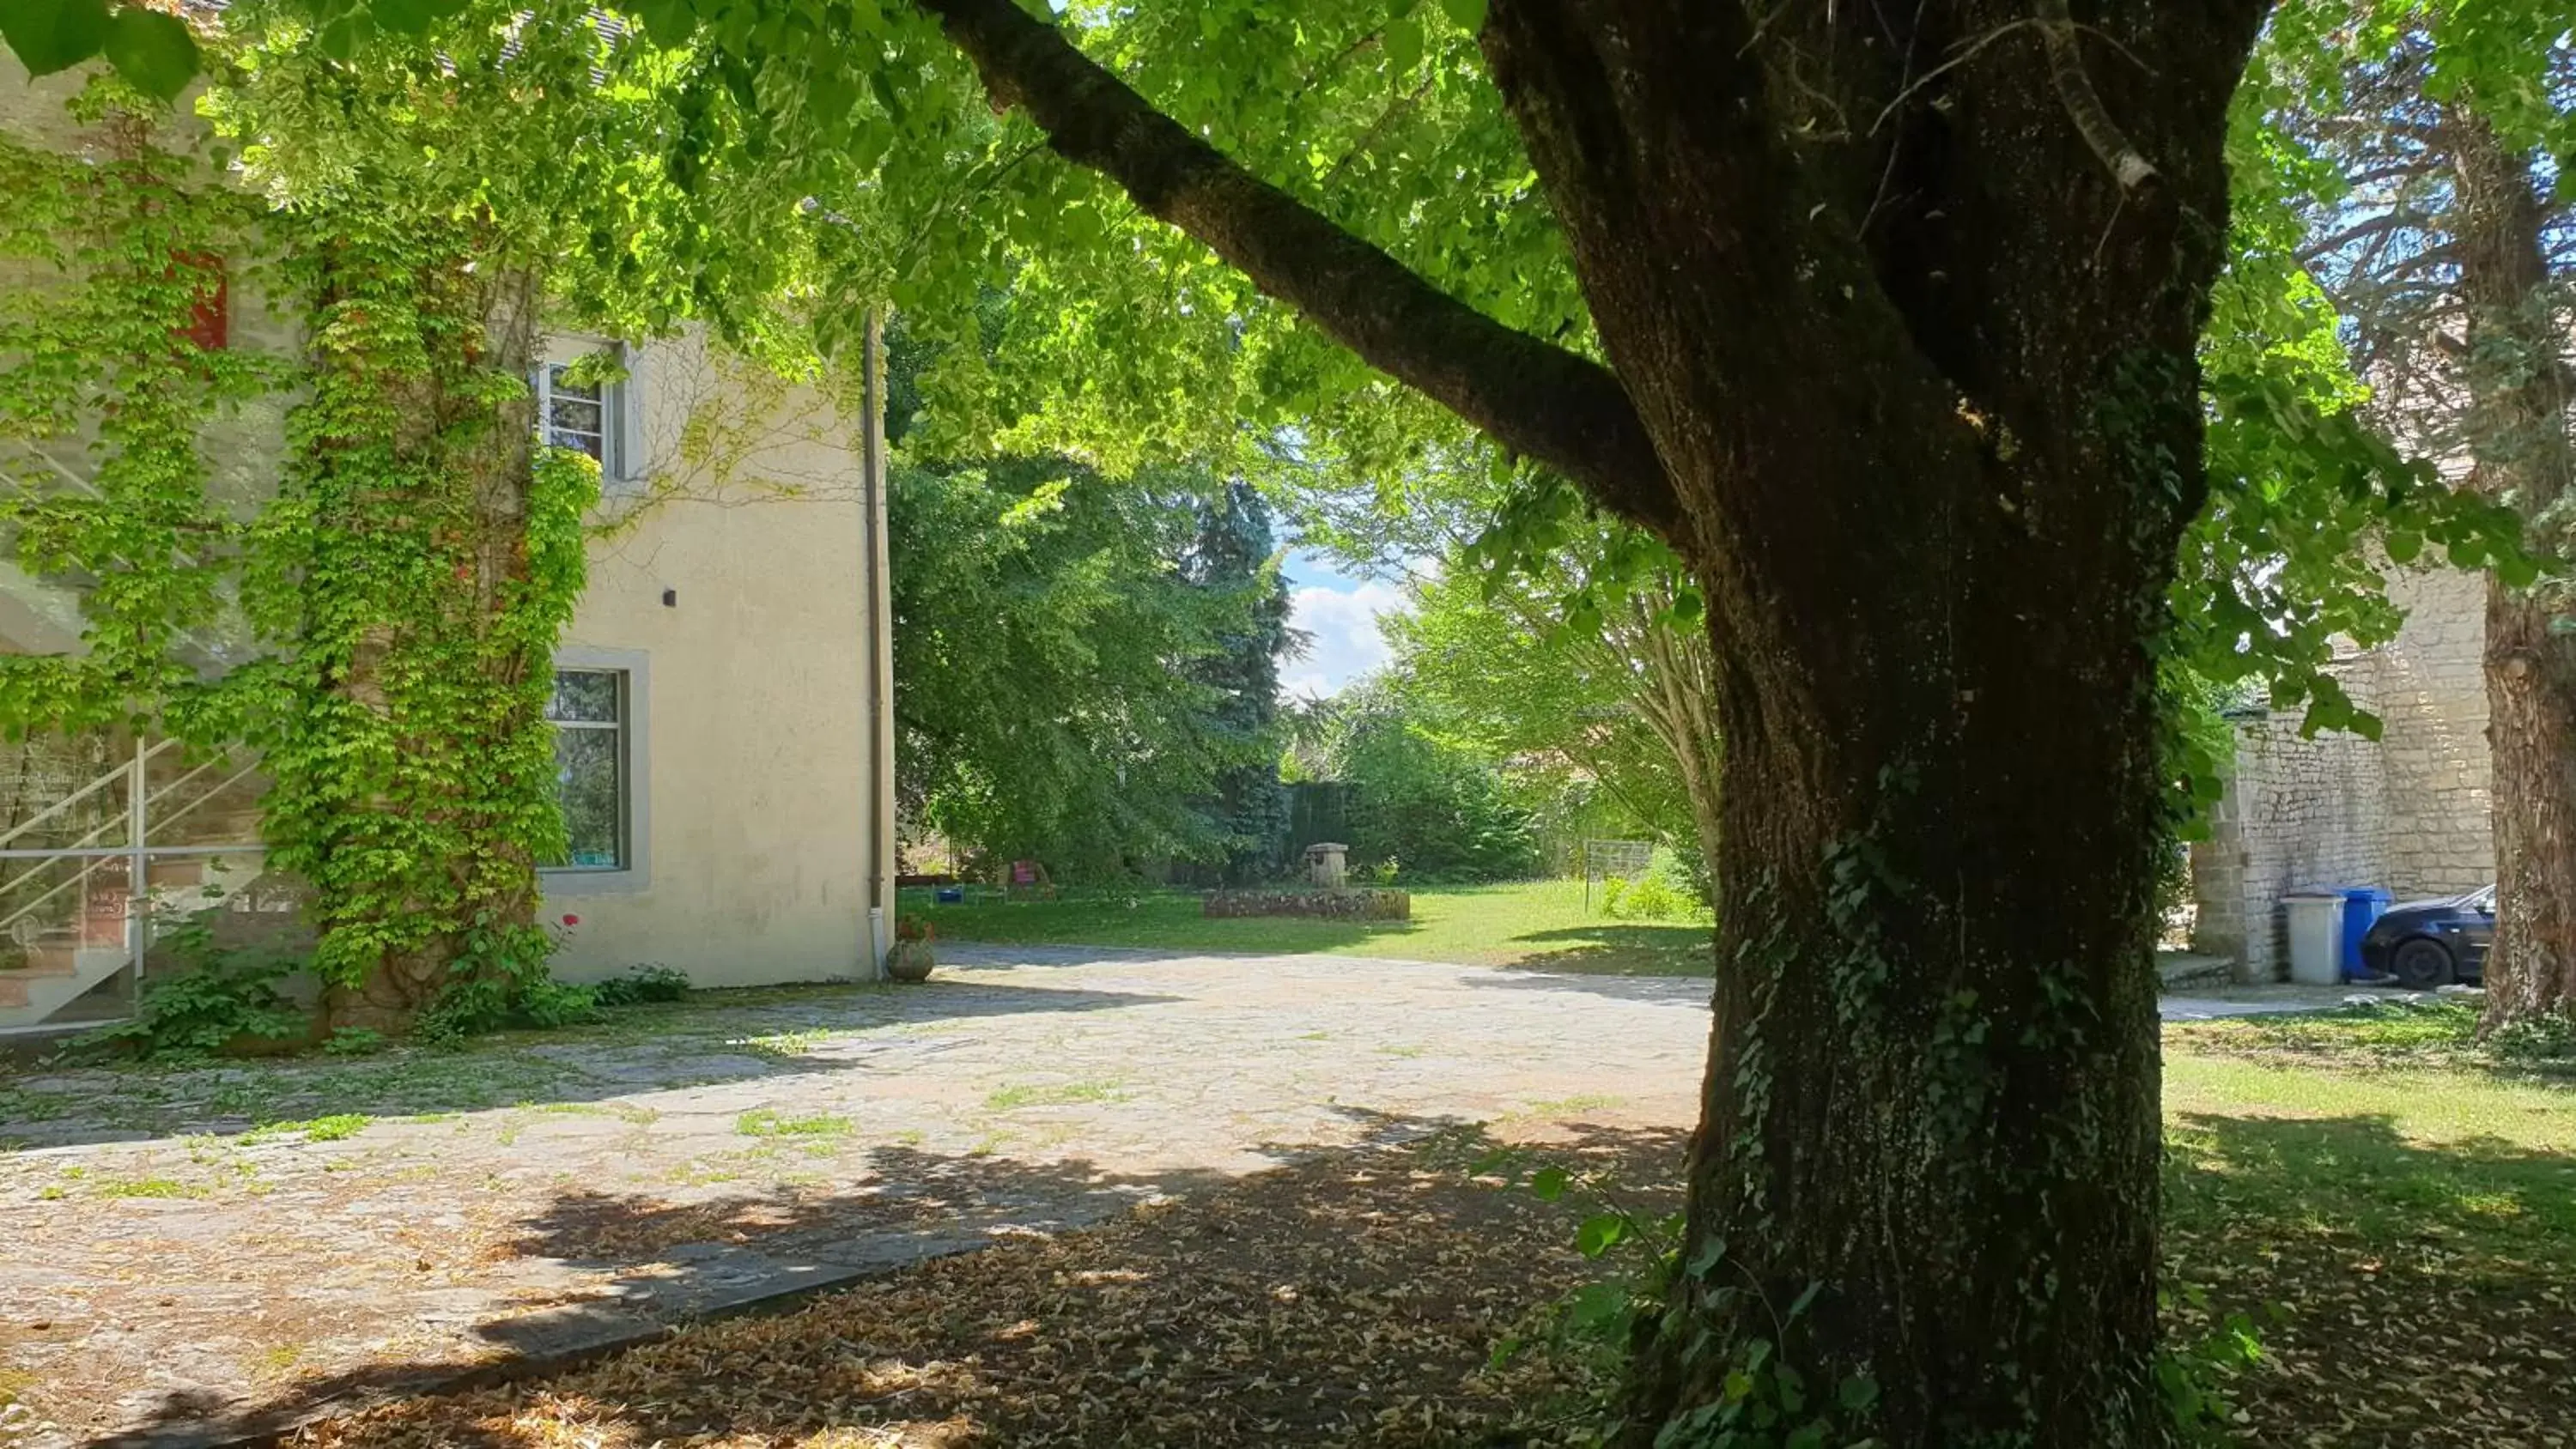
(50, 960)
(2178, 969)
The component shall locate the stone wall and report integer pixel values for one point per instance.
(2409, 814)
(2299, 812)
(2431, 686)
(1339, 905)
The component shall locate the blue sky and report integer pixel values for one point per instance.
(1341, 613)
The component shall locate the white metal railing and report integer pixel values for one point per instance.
(137, 852)
(68, 801)
(101, 855)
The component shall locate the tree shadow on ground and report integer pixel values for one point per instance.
(1167, 921)
(1270, 1308)
(1681, 991)
(2405, 1293)
(1626, 950)
(712, 1037)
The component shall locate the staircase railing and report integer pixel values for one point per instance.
(135, 852)
(75, 797)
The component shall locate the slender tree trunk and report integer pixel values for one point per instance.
(2521, 406)
(1678, 700)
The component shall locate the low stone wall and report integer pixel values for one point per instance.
(1346, 905)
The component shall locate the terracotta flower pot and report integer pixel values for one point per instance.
(909, 961)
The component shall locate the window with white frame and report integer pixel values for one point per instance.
(591, 710)
(587, 417)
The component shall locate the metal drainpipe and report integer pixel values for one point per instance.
(880, 685)
(138, 866)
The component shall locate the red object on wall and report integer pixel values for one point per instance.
(210, 314)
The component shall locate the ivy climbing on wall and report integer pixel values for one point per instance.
(114, 330)
(378, 616)
(376, 613)
(423, 556)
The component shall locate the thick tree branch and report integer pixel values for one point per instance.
(1563, 410)
(2084, 104)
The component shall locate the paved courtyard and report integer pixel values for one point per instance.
(173, 1263)
(194, 1250)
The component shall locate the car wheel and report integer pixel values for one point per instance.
(2421, 964)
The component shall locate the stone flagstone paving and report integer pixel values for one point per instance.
(170, 1265)
(179, 1263)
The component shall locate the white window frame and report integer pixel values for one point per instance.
(621, 460)
(635, 712)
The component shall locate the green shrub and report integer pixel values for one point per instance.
(552, 1004)
(1666, 892)
(220, 995)
(354, 1041)
(490, 1003)
(2535, 1039)
(652, 981)
(1650, 899)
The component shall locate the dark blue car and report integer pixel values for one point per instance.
(2425, 944)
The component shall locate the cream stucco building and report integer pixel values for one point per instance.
(722, 740)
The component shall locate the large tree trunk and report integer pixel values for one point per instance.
(1900, 303)
(2518, 433)
(1934, 472)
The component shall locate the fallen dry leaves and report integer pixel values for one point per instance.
(1354, 1298)
(2425, 1347)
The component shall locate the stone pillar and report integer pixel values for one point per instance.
(1325, 864)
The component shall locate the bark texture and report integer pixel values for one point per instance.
(1904, 300)
(2520, 407)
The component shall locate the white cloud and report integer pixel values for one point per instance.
(1344, 640)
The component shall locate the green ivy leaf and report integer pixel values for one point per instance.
(1548, 1183)
(1467, 15)
(1600, 1233)
(152, 51)
(668, 23)
(1595, 1304)
(1404, 42)
(414, 17)
(1858, 1394)
(53, 35)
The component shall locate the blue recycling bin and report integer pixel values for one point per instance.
(2361, 906)
(950, 895)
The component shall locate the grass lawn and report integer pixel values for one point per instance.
(2390, 1205)
(1533, 924)
(2395, 1208)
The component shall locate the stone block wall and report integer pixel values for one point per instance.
(1339, 905)
(2299, 812)
(2432, 692)
(2409, 814)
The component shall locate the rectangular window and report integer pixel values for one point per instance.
(594, 777)
(582, 416)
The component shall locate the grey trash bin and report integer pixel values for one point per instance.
(2316, 936)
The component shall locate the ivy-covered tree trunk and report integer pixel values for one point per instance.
(2520, 386)
(1898, 306)
(435, 554)
(1933, 465)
